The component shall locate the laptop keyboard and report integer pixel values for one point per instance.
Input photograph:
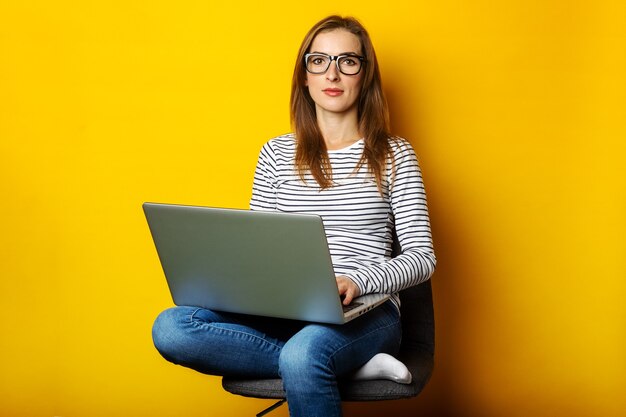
(351, 306)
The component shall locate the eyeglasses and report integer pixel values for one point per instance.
(317, 63)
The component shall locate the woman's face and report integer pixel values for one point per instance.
(333, 91)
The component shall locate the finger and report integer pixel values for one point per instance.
(349, 295)
(343, 292)
(342, 286)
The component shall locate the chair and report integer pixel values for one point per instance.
(416, 352)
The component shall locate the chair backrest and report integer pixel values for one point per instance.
(418, 317)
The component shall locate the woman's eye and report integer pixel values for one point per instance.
(348, 61)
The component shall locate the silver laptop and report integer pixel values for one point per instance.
(251, 262)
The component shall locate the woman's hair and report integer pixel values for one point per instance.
(373, 115)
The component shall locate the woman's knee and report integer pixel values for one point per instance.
(166, 331)
(303, 359)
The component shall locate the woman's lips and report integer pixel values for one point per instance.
(333, 92)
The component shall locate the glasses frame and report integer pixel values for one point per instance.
(335, 58)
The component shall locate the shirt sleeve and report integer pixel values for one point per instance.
(407, 198)
(264, 183)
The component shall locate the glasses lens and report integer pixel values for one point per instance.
(349, 65)
(317, 64)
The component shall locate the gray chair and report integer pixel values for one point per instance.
(416, 352)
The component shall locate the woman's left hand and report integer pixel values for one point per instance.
(347, 289)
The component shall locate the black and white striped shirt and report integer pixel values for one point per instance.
(358, 221)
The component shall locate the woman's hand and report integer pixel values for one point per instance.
(347, 289)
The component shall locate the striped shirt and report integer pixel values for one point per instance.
(357, 219)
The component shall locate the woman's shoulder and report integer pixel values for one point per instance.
(287, 139)
(285, 143)
(400, 147)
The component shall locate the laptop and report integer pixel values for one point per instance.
(250, 262)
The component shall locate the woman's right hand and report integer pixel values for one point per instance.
(347, 289)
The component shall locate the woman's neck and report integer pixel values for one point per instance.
(339, 130)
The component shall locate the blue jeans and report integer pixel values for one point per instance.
(309, 357)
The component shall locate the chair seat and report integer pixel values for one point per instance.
(420, 366)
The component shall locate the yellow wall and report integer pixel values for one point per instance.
(516, 109)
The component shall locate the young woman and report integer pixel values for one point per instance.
(342, 164)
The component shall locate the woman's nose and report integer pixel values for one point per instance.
(333, 73)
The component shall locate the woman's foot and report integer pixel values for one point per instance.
(384, 366)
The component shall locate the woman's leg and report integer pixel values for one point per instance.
(222, 343)
(312, 360)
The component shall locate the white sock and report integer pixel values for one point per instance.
(384, 366)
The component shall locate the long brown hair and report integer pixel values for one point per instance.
(373, 114)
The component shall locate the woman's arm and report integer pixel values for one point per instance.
(408, 203)
(263, 185)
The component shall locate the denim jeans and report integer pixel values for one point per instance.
(309, 357)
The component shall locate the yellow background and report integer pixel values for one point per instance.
(516, 109)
